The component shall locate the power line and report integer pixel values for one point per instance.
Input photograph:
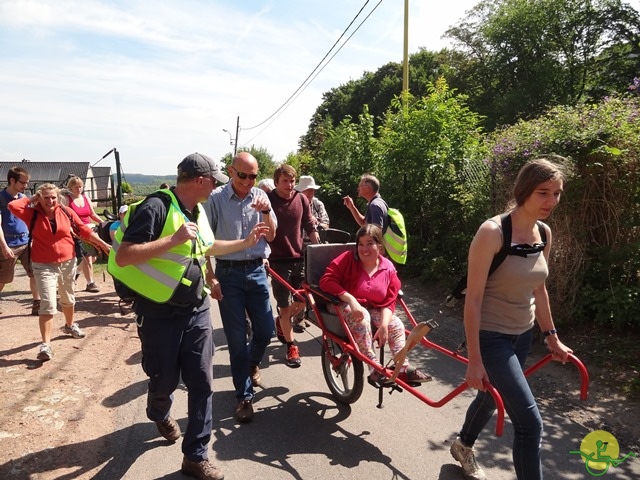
(304, 84)
(303, 87)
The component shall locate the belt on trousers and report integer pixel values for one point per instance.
(286, 260)
(239, 263)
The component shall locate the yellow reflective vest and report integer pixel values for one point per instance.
(395, 237)
(158, 278)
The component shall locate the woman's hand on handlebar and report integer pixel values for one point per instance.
(381, 336)
(476, 376)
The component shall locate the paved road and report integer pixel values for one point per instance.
(300, 432)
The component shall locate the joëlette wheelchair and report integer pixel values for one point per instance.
(342, 362)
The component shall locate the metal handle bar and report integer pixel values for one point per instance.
(584, 385)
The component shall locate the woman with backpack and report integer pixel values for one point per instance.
(53, 257)
(499, 314)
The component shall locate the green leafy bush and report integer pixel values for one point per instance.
(594, 268)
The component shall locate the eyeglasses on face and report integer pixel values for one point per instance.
(23, 182)
(243, 176)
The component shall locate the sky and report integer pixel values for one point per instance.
(158, 80)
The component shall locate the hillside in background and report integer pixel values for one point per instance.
(142, 184)
(141, 179)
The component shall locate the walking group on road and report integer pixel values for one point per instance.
(212, 236)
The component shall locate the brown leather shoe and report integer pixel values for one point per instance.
(244, 411)
(204, 470)
(254, 373)
(169, 429)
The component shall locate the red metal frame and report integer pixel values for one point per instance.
(349, 346)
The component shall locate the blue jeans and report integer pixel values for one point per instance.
(175, 346)
(503, 357)
(245, 289)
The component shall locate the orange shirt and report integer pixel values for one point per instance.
(47, 246)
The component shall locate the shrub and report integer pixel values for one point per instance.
(595, 262)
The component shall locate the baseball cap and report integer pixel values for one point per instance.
(197, 164)
(123, 209)
(306, 182)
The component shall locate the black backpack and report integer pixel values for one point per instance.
(102, 229)
(460, 290)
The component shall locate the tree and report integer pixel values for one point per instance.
(375, 90)
(530, 55)
(422, 156)
(425, 153)
(596, 240)
(266, 165)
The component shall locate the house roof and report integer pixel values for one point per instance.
(47, 172)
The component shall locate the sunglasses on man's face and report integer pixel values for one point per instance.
(244, 176)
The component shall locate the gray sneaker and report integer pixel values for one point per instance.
(73, 330)
(45, 352)
(467, 458)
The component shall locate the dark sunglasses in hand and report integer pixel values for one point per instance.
(243, 176)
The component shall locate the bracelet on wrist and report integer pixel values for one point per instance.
(548, 333)
(267, 211)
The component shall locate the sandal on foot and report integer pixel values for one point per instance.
(414, 376)
(378, 380)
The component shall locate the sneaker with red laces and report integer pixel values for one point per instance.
(293, 356)
(279, 332)
(203, 469)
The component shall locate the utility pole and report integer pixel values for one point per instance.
(405, 57)
(234, 141)
(235, 146)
